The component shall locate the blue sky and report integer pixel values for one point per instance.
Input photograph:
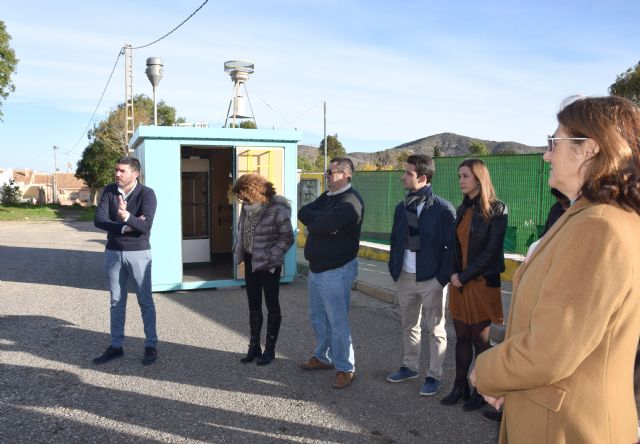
(390, 72)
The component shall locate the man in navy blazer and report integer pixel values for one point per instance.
(420, 265)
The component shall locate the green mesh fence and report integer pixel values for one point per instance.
(520, 181)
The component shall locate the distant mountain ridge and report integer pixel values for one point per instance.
(449, 144)
(307, 151)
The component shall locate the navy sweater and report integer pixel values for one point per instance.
(142, 201)
(334, 223)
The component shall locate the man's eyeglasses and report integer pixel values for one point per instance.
(551, 141)
(330, 172)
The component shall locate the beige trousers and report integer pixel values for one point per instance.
(416, 298)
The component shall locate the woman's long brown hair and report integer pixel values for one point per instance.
(487, 192)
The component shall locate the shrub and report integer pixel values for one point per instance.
(11, 193)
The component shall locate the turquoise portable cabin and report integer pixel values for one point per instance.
(192, 171)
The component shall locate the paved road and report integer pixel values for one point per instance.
(54, 320)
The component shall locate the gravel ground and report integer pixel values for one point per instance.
(54, 318)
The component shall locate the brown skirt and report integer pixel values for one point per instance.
(475, 302)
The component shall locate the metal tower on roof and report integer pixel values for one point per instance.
(239, 71)
(128, 94)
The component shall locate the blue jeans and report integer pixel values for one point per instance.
(119, 267)
(329, 300)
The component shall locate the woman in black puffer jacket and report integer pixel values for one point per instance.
(478, 260)
(264, 237)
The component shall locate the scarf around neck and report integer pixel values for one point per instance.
(254, 213)
(470, 203)
(253, 209)
(411, 203)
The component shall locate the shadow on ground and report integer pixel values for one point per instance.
(117, 408)
(38, 392)
(74, 268)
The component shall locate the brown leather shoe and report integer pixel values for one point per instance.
(314, 364)
(343, 379)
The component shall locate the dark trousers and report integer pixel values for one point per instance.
(259, 281)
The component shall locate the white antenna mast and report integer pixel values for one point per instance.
(239, 71)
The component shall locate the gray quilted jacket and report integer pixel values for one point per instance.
(272, 238)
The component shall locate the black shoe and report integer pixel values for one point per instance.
(459, 391)
(255, 327)
(150, 355)
(254, 351)
(493, 416)
(474, 403)
(268, 355)
(273, 328)
(109, 354)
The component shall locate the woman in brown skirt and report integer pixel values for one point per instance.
(478, 260)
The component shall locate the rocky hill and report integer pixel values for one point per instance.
(448, 144)
(308, 152)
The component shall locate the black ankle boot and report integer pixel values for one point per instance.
(273, 328)
(255, 326)
(460, 391)
(474, 403)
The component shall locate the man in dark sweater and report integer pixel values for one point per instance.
(333, 221)
(126, 212)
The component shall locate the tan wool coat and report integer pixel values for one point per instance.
(565, 367)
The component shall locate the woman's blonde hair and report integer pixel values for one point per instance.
(254, 188)
(487, 192)
(613, 173)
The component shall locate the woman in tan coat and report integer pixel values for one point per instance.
(565, 369)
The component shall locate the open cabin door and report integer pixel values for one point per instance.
(268, 162)
(195, 210)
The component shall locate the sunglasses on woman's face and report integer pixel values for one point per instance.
(551, 141)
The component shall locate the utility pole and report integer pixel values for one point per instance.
(128, 95)
(55, 168)
(325, 135)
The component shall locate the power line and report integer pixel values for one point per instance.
(304, 113)
(182, 23)
(120, 53)
(284, 119)
(97, 106)
(40, 156)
